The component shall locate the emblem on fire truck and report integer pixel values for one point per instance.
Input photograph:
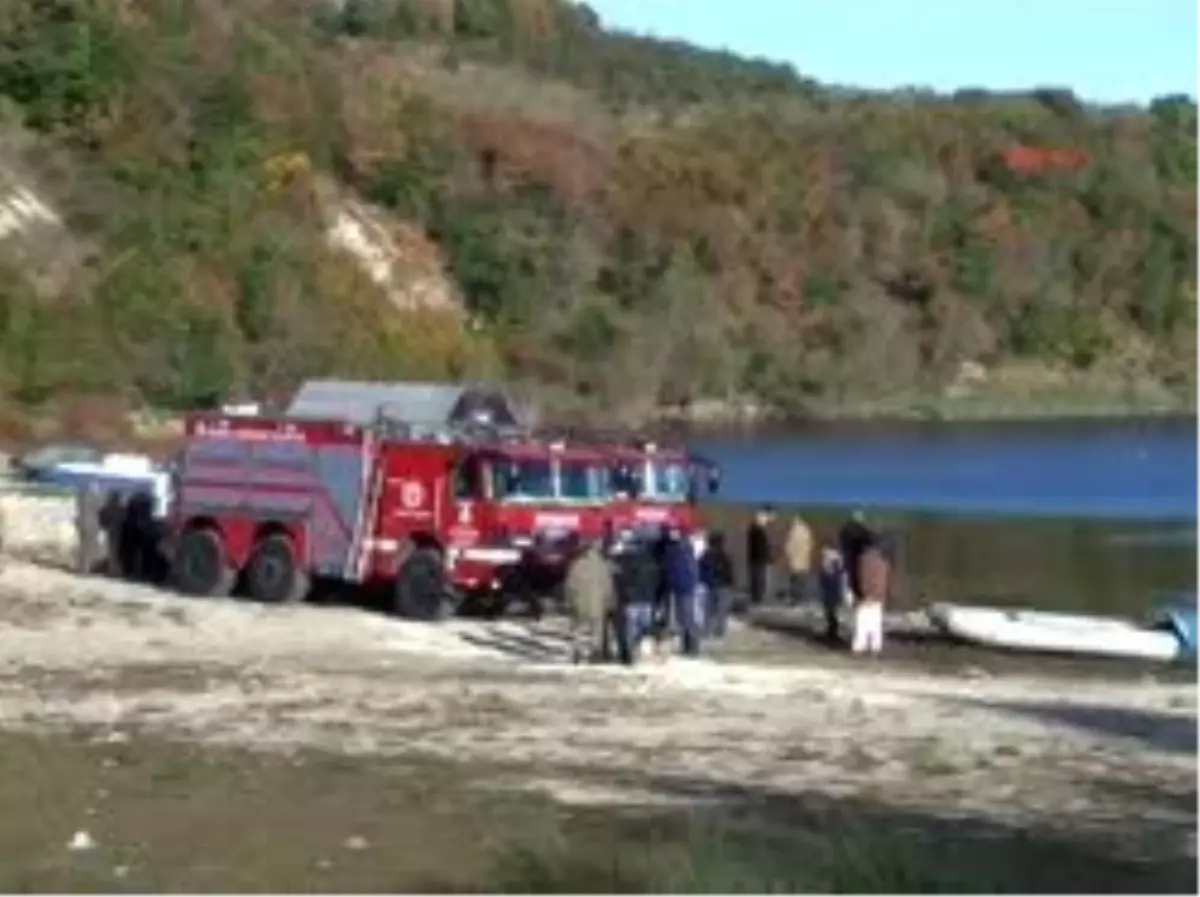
(412, 494)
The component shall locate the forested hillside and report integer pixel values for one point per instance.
(626, 224)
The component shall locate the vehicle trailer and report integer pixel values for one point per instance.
(274, 503)
(658, 486)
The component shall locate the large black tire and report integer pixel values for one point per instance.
(274, 575)
(200, 566)
(421, 589)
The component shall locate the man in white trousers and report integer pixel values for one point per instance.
(874, 578)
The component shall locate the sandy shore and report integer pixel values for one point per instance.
(1110, 760)
(1113, 759)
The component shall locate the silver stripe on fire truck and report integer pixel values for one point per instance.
(382, 544)
(491, 555)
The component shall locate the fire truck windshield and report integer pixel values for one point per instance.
(667, 482)
(530, 480)
(661, 481)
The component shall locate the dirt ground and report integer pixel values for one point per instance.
(1108, 762)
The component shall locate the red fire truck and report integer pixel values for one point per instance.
(276, 502)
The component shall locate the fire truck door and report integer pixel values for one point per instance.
(467, 495)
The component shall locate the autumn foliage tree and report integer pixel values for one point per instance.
(630, 222)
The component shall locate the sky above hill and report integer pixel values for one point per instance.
(1109, 51)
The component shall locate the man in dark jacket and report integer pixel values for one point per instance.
(112, 521)
(834, 585)
(683, 580)
(136, 537)
(716, 575)
(637, 591)
(662, 593)
(759, 556)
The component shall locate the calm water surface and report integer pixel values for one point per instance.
(1082, 515)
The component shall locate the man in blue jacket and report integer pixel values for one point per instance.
(683, 580)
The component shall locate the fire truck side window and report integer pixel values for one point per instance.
(584, 482)
(672, 481)
(626, 481)
(524, 479)
(468, 480)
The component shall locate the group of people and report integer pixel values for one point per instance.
(671, 587)
(676, 587)
(117, 532)
(855, 570)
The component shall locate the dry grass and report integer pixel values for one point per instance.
(163, 816)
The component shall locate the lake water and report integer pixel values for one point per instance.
(1084, 515)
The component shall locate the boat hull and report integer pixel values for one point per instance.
(1024, 630)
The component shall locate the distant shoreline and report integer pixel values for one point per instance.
(702, 419)
(711, 420)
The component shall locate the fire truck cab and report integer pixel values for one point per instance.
(656, 486)
(273, 503)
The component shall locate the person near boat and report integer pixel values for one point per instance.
(683, 585)
(759, 556)
(797, 554)
(637, 591)
(835, 590)
(716, 575)
(874, 578)
(854, 538)
(590, 597)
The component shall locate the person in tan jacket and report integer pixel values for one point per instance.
(798, 555)
(874, 577)
(591, 599)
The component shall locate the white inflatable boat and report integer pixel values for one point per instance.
(1029, 630)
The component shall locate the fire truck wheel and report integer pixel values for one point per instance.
(273, 576)
(200, 566)
(421, 592)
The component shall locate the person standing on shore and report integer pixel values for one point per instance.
(759, 556)
(716, 574)
(835, 590)
(874, 577)
(854, 538)
(88, 505)
(590, 597)
(112, 521)
(683, 584)
(797, 552)
(637, 591)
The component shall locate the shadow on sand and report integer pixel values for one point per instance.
(522, 641)
(1161, 731)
